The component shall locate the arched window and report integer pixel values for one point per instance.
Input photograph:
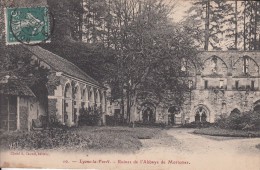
(201, 114)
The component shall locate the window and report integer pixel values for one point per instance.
(237, 84)
(221, 84)
(252, 85)
(206, 84)
(246, 65)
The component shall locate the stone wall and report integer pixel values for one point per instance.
(227, 80)
(69, 96)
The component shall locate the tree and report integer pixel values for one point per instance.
(222, 20)
(68, 17)
(144, 39)
(128, 40)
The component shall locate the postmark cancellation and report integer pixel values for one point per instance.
(27, 25)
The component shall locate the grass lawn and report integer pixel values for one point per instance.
(99, 139)
(212, 131)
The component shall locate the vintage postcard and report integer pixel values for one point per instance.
(130, 84)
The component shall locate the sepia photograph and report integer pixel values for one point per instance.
(130, 84)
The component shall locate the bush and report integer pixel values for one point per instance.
(89, 117)
(216, 131)
(197, 125)
(46, 139)
(119, 139)
(150, 124)
(244, 121)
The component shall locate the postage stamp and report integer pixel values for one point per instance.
(27, 25)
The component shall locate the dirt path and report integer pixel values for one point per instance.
(201, 151)
(193, 143)
(184, 141)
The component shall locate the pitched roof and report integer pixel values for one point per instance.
(11, 85)
(60, 64)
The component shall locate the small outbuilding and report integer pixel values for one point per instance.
(15, 101)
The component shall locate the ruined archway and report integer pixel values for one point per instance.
(148, 111)
(257, 106)
(214, 65)
(202, 114)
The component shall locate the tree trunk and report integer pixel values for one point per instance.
(206, 47)
(80, 24)
(235, 24)
(123, 104)
(128, 108)
(250, 27)
(255, 27)
(244, 36)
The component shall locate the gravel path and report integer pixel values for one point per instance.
(202, 151)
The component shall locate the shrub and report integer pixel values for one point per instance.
(244, 121)
(79, 139)
(197, 125)
(46, 139)
(149, 124)
(89, 117)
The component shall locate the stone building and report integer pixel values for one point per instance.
(68, 90)
(223, 82)
(15, 100)
(227, 81)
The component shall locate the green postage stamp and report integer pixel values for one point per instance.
(27, 25)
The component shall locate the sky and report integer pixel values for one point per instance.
(180, 8)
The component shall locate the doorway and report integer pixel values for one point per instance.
(8, 112)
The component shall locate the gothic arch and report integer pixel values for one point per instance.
(214, 65)
(217, 58)
(202, 113)
(239, 66)
(247, 57)
(148, 112)
(256, 106)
